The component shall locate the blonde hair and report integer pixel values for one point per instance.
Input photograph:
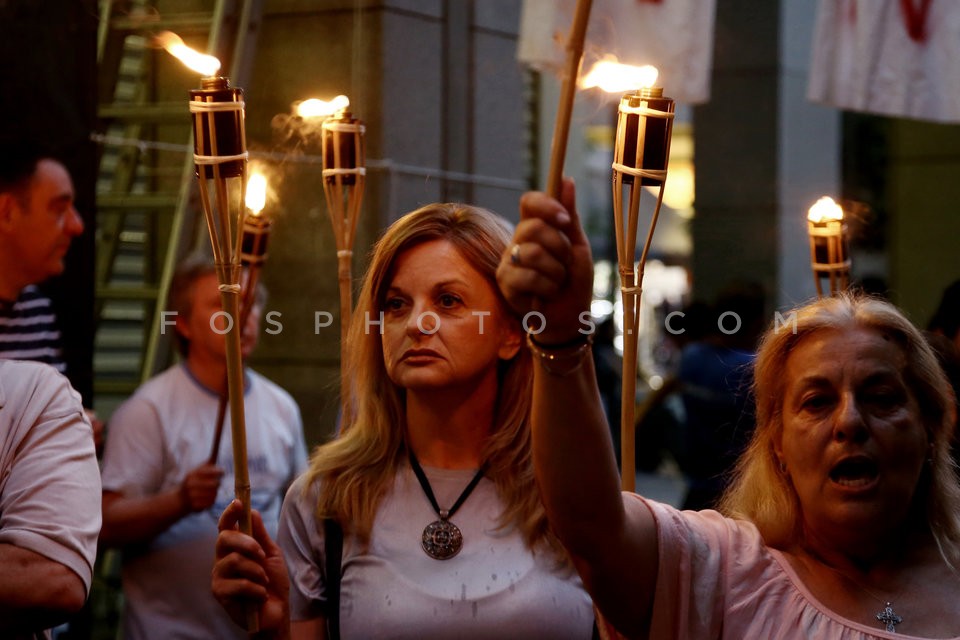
(762, 494)
(357, 469)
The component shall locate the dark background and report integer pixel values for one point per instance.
(48, 91)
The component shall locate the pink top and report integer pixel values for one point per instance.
(717, 579)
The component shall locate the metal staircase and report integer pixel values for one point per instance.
(145, 220)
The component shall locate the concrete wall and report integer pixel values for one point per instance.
(763, 153)
(924, 231)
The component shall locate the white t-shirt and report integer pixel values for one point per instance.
(494, 588)
(49, 479)
(164, 431)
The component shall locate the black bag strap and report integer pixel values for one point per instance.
(333, 545)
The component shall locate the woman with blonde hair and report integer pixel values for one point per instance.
(761, 490)
(843, 520)
(431, 478)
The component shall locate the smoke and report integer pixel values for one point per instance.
(301, 129)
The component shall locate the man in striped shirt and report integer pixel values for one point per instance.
(37, 223)
(29, 331)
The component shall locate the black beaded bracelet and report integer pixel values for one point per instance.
(553, 356)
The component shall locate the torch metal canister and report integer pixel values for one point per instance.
(222, 134)
(253, 243)
(343, 149)
(829, 254)
(643, 134)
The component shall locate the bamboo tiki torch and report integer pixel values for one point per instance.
(644, 127)
(253, 255)
(344, 174)
(220, 156)
(568, 90)
(829, 253)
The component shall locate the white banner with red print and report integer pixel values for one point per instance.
(890, 57)
(676, 36)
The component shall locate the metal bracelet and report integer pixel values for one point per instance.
(562, 360)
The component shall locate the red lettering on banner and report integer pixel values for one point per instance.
(915, 18)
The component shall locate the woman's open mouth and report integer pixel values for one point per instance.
(855, 472)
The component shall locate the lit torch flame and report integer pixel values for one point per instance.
(256, 197)
(614, 77)
(825, 209)
(316, 108)
(199, 62)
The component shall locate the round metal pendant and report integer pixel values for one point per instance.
(442, 540)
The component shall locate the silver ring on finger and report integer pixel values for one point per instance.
(515, 255)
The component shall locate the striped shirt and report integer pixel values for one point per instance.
(28, 330)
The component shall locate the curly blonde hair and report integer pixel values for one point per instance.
(356, 469)
(763, 495)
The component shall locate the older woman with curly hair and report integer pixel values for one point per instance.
(843, 519)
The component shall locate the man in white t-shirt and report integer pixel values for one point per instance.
(162, 495)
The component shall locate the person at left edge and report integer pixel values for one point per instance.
(38, 222)
(49, 500)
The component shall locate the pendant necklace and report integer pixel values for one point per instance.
(441, 538)
(887, 617)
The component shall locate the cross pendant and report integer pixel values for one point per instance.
(889, 618)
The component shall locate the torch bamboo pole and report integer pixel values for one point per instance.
(342, 232)
(246, 305)
(813, 262)
(631, 292)
(628, 391)
(630, 299)
(345, 282)
(228, 273)
(241, 484)
(629, 296)
(561, 129)
(231, 305)
(832, 259)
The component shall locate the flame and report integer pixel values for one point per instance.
(256, 197)
(199, 62)
(825, 209)
(614, 77)
(316, 108)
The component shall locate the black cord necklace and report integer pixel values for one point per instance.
(441, 538)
